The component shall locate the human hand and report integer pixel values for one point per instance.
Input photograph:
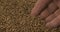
(54, 19)
(49, 11)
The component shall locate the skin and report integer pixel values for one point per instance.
(54, 23)
(49, 10)
(57, 2)
(39, 6)
(52, 16)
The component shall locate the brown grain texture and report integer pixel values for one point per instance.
(14, 17)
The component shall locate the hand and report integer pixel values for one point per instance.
(39, 6)
(54, 19)
(49, 11)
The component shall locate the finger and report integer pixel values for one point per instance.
(57, 2)
(51, 8)
(39, 6)
(52, 16)
(54, 23)
(49, 18)
(44, 14)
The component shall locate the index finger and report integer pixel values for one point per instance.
(39, 6)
